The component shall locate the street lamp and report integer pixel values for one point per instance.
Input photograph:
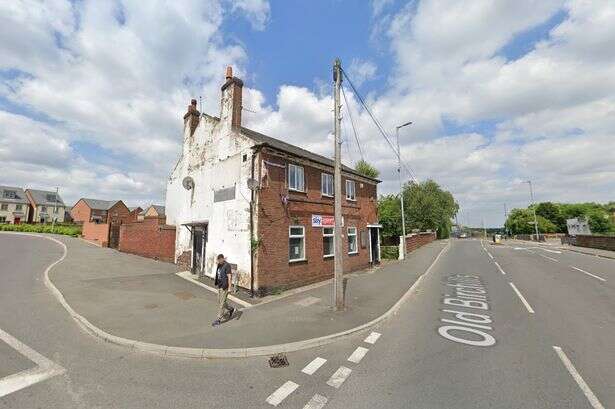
(401, 191)
(529, 182)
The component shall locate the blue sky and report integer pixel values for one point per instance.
(92, 93)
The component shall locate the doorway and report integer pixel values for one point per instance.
(374, 245)
(199, 241)
(17, 220)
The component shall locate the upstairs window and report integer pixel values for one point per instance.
(296, 179)
(350, 190)
(4, 206)
(9, 194)
(51, 198)
(43, 209)
(18, 207)
(326, 184)
(328, 242)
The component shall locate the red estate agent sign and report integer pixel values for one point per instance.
(322, 221)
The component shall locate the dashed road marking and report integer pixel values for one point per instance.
(489, 254)
(549, 258)
(499, 268)
(589, 274)
(338, 378)
(317, 402)
(522, 298)
(372, 338)
(593, 400)
(358, 354)
(44, 370)
(314, 366)
(281, 393)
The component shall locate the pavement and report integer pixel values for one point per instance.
(143, 300)
(551, 319)
(557, 244)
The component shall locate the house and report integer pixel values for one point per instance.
(100, 211)
(135, 211)
(155, 211)
(13, 205)
(45, 206)
(265, 204)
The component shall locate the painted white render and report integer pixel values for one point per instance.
(216, 156)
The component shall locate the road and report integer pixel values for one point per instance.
(540, 336)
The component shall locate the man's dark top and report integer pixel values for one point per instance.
(222, 272)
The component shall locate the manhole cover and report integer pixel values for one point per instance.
(278, 361)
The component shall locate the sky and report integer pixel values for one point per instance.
(92, 94)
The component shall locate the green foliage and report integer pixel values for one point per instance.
(67, 230)
(389, 252)
(552, 213)
(521, 221)
(426, 207)
(366, 169)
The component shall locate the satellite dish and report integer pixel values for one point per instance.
(252, 184)
(188, 183)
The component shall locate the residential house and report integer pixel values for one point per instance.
(135, 211)
(13, 205)
(265, 204)
(45, 206)
(155, 211)
(99, 211)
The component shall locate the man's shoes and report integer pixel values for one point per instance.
(231, 312)
(216, 323)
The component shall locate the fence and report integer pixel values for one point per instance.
(595, 242)
(416, 240)
(96, 232)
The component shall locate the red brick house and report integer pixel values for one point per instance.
(265, 204)
(100, 211)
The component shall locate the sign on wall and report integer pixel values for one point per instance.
(319, 220)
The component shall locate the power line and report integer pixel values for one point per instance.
(356, 137)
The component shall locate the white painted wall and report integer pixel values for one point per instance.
(213, 157)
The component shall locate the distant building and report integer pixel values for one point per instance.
(578, 226)
(45, 206)
(155, 211)
(99, 211)
(135, 211)
(13, 205)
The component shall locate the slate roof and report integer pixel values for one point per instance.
(98, 204)
(20, 195)
(42, 197)
(296, 151)
(159, 209)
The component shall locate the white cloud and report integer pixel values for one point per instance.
(257, 10)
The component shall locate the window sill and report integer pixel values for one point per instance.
(351, 200)
(296, 191)
(299, 260)
(329, 256)
(327, 196)
(354, 253)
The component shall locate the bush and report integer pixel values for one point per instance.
(389, 252)
(67, 230)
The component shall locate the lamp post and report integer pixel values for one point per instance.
(401, 191)
(529, 182)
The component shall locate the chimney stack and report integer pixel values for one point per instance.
(231, 99)
(191, 118)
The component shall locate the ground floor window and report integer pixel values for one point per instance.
(2, 219)
(296, 243)
(328, 242)
(352, 240)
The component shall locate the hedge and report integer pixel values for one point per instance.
(68, 230)
(389, 252)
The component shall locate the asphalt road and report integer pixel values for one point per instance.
(500, 357)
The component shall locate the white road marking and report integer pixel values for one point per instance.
(499, 268)
(314, 366)
(489, 254)
(282, 393)
(523, 300)
(549, 258)
(317, 402)
(593, 400)
(45, 368)
(372, 338)
(589, 274)
(307, 301)
(338, 378)
(358, 354)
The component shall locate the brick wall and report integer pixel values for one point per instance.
(150, 238)
(416, 240)
(595, 242)
(96, 232)
(80, 212)
(273, 269)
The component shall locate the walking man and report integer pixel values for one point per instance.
(223, 282)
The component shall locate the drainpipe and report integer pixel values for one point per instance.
(252, 199)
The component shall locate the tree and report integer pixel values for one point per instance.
(521, 221)
(552, 213)
(428, 207)
(389, 215)
(366, 169)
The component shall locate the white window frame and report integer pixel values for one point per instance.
(323, 177)
(356, 242)
(298, 187)
(332, 235)
(296, 236)
(4, 207)
(352, 183)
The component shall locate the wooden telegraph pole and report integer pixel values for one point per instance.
(338, 291)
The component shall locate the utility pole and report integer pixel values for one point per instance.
(55, 209)
(484, 229)
(401, 192)
(505, 219)
(338, 275)
(534, 209)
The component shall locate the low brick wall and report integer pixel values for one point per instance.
(150, 238)
(594, 242)
(416, 240)
(96, 232)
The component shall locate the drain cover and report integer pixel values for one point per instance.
(278, 361)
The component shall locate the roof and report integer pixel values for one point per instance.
(20, 195)
(98, 204)
(159, 209)
(297, 151)
(133, 208)
(45, 197)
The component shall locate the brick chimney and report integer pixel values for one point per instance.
(232, 89)
(192, 117)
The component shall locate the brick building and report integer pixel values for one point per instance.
(266, 204)
(100, 211)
